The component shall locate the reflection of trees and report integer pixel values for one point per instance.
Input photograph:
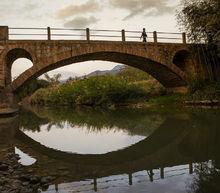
(133, 121)
(206, 179)
(206, 140)
(29, 121)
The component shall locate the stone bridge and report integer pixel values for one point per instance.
(172, 64)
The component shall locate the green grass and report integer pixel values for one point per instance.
(203, 90)
(166, 99)
(94, 91)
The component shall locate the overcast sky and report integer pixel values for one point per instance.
(155, 15)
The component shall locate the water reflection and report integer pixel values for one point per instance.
(25, 159)
(206, 178)
(82, 131)
(173, 156)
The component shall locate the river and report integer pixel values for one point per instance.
(120, 150)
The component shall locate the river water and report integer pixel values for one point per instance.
(124, 150)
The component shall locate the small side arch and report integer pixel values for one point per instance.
(183, 60)
(11, 57)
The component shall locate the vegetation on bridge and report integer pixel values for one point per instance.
(201, 20)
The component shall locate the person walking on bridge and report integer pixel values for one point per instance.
(144, 35)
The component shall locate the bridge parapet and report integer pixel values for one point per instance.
(93, 34)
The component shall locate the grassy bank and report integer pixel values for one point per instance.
(200, 90)
(94, 91)
(130, 87)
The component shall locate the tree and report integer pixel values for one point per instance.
(31, 87)
(53, 80)
(201, 19)
(206, 178)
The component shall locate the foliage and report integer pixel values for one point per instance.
(201, 89)
(131, 74)
(196, 84)
(204, 90)
(142, 80)
(94, 91)
(201, 19)
(166, 99)
(207, 179)
(30, 88)
(53, 80)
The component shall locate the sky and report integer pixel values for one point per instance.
(154, 15)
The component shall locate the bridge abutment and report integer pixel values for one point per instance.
(8, 103)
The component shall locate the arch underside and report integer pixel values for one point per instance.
(160, 72)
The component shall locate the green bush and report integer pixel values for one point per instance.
(94, 91)
(31, 87)
(196, 84)
(200, 89)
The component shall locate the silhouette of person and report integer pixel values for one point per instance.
(144, 35)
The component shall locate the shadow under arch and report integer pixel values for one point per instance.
(11, 57)
(168, 77)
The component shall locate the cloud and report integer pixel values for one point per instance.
(20, 9)
(72, 10)
(81, 22)
(142, 7)
(30, 6)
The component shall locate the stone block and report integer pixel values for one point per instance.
(3, 33)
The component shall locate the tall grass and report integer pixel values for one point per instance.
(94, 91)
(200, 89)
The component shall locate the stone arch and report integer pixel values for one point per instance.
(183, 60)
(165, 75)
(11, 57)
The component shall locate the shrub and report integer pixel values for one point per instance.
(203, 90)
(94, 91)
(196, 84)
(30, 88)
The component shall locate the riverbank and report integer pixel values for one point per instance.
(105, 91)
(15, 178)
(130, 88)
(171, 99)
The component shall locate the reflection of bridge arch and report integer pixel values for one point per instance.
(133, 152)
(161, 149)
(153, 152)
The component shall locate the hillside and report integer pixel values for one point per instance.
(117, 69)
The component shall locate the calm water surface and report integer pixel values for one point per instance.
(160, 150)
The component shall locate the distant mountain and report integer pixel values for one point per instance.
(113, 71)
